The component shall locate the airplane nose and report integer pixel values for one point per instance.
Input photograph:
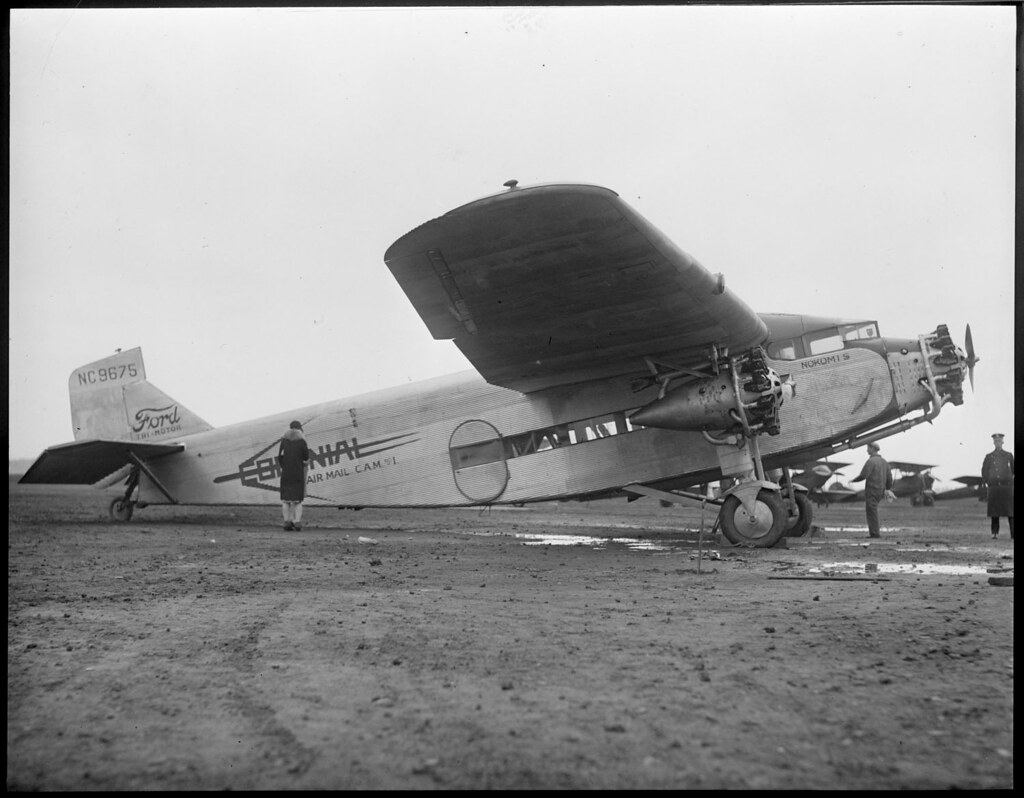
(949, 364)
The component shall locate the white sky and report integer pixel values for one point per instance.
(219, 186)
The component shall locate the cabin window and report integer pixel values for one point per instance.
(472, 454)
(501, 447)
(782, 350)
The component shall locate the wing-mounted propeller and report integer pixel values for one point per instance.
(971, 357)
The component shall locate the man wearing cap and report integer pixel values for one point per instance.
(877, 486)
(997, 475)
(293, 457)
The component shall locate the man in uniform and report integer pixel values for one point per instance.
(997, 474)
(877, 478)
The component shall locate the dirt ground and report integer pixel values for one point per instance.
(584, 646)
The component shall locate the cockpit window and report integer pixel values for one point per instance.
(858, 332)
(782, 350)
(823, 341)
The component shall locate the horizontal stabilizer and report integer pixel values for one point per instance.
(89, 462)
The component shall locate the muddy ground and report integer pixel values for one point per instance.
(563, 646)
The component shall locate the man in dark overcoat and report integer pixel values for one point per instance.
(997, 476)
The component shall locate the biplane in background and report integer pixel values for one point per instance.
(608, 363)
(913, 480)
(972, 489)
(813, 476)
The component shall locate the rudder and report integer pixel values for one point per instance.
(111, 400)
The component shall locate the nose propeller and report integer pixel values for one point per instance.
(971, 357)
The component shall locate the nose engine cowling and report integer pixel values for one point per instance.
(949, 364)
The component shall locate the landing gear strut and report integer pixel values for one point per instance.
(122, 507)
(753, 513)
(738, 402)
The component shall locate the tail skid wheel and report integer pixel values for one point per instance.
(121, 509)
(762, 529)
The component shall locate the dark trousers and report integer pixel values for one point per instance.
(871, 510)
(995, 525)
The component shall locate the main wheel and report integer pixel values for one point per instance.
(762, 529)
(121, 509)
(798, 527)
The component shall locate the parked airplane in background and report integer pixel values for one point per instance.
(914, 480)
(813, 476)
(611, 363)
(972, 489)
(909, 479)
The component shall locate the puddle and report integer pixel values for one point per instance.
(944, 569)
(632, 544)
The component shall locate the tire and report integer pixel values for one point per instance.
(799, 526)
(762, 530)
(121, 510)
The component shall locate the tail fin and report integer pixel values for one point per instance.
(111, 400)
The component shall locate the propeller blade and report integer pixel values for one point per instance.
(971, 357)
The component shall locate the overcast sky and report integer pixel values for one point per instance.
(219, 186)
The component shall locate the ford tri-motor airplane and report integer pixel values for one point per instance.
(610, 363)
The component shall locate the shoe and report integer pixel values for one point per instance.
(288, 526)
(995, 535)
(297, 527)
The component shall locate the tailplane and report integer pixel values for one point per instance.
(111, 400)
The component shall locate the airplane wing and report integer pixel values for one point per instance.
(821, 467)
(556, 284)
(87, 462)
(910, 468)
(970, 481)
(838, 492)
(843, 495)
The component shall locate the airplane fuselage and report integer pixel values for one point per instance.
(458, 440)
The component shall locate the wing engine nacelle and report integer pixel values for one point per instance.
(744, 397)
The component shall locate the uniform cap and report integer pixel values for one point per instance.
(998, 436)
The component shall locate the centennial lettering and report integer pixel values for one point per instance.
(263, 472)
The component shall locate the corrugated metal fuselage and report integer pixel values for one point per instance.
(460, 441)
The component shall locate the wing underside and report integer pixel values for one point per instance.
(89, 462)
(556, 284)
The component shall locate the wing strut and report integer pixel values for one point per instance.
(122, 508)
(141, 465)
